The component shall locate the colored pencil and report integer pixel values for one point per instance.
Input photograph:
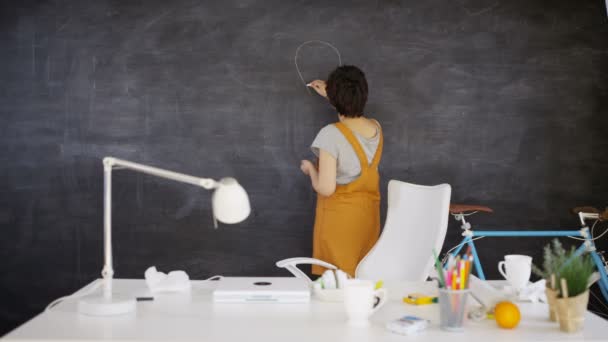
(439, 269)
(461, 271)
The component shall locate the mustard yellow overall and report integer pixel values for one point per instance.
(347, 223)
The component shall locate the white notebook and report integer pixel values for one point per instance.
(261, 290)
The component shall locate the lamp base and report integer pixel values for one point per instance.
(98, 305)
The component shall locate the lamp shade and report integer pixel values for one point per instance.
(230, 202)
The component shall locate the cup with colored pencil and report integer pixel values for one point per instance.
(453, 290)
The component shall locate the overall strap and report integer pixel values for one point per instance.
(378, 155)
(354, 142)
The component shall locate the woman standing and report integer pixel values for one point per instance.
(347, 221)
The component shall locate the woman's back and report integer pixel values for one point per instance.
(331, 140)
(367, 128)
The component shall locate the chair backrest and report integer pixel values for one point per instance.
(416, 222)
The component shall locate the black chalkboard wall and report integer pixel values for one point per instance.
(504, 100)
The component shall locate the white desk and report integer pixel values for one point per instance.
(196, 317)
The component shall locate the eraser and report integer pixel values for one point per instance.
(407, 325)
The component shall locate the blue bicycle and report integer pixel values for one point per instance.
(460, 211)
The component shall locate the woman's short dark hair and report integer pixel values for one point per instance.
(347, 90)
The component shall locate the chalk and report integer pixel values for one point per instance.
(295, 58)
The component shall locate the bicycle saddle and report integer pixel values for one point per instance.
(603, 216)
(585, 209)
(463, 208)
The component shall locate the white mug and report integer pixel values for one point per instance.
(516, 269)
(361, 300)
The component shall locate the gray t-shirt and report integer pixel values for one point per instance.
(331, 140)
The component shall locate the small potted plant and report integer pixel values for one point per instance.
(571, 303)
(554, 256)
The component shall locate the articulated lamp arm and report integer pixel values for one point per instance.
(110, 163)
(230, 204)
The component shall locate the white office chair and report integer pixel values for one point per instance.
(416, 222)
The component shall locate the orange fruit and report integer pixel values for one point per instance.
(507, 315)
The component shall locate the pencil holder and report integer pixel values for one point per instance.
(571, 312)
(551, 298)
(451, 309)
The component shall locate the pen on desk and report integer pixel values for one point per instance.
(144, 299)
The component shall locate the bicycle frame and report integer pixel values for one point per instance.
(587, 245)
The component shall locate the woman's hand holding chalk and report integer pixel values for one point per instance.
(319, 86)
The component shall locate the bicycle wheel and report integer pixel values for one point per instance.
(604, 288)
(603, 281)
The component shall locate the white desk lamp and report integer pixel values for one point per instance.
(230, 204)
